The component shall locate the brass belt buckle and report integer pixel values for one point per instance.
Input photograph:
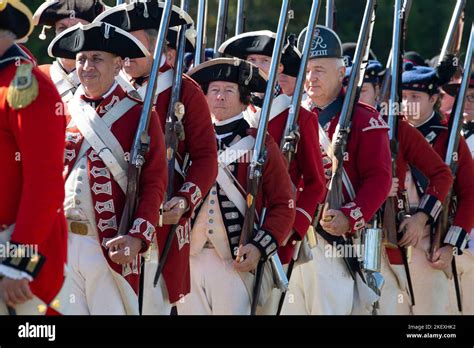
(79, 228)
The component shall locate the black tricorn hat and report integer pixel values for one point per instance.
(52, 11)
(96, 37)
(141, 15)
(325, 43)
(172, 39)
(230, 70)
(262, 42)
(15, 17)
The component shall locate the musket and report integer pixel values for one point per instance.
(452, 161)
(174, 132)
(404, 13)
(331, 13)
(240, 18)
(334, 199)
(221, 27)
(141, 142)
(396, 208)
(255, 170)
(289, 142)
(119, 2)
(451, 44)
(201, 39)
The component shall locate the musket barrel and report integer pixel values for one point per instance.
(299, 86)
(221, 27)
(457, 119)
(330, 10)
(201, 32)
(449, 41)
(240, 20)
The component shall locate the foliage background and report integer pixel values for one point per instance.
(427, 25)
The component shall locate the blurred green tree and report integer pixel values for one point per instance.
(428, 23)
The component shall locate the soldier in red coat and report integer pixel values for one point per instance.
(196, 155)
(413, 152)
(420, 95)
(306, 169)
(31, 185)
(219, 283)
(324, 285)
(61, 15)
(465, 262)
(100, 133)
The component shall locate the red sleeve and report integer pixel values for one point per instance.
(373, 166)
(310, 165)
(39, 131)
(458, 234)
(153, 181)
(418, 152)
(278, 194)
(202, 151)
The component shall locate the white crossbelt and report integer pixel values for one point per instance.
(230, 155)
(97, 133)
(328, 148)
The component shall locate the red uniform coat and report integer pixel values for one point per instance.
(306, 172)
(437, 134)
(200, 177)
(367, 163)
(276, 193)
(414, 151)
(31, 185)
(153, 180)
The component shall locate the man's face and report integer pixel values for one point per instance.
(223, 99)
(66, 23)
(287, 84)
(469, 105)
(418, 106)
(139, 67)
(97, 71)
(323, 79)
(263, 63)
(368, 94)
(171, 56)
(61, 26)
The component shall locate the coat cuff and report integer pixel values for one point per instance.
(265, 242)
(356, 218)
(458, 238)
(12, 273)
(431, 206)
(23, 262)
(193, 195)
(302, 221)
(143, 230)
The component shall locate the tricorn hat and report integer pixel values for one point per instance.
(230, 70)
(96, 37)
(16, 17)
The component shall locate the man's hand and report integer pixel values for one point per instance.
(252, 257)
(174, 209)
(413, 228)
(15, 292)
(395, 186)
(123, 249)
(442, 258)
(335, 222)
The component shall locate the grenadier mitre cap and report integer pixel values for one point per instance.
(325, 43)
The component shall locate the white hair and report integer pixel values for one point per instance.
(340, 63)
